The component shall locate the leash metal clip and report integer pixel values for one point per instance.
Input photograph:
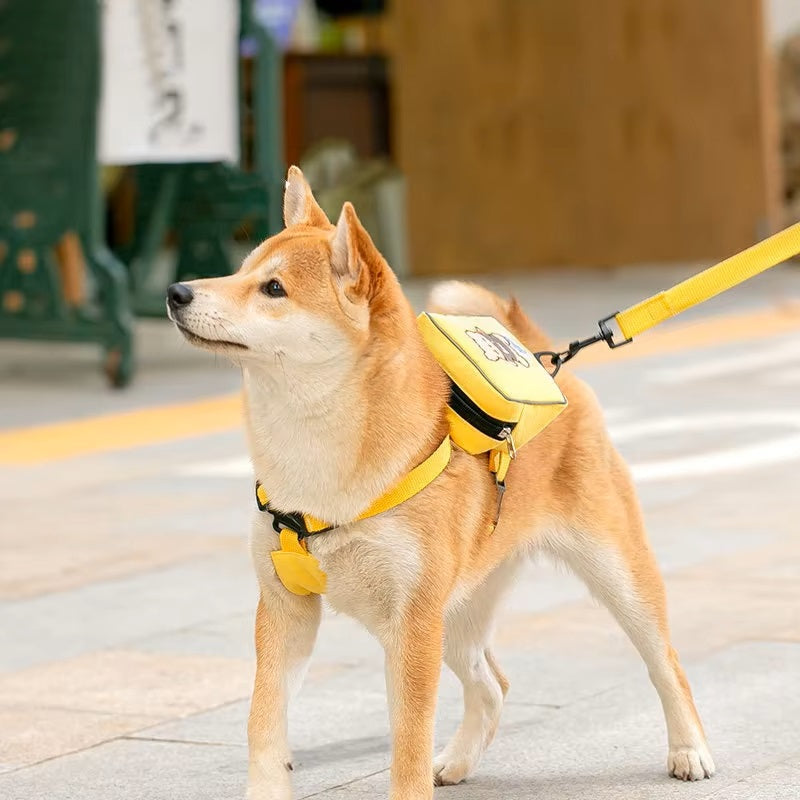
(606, 334)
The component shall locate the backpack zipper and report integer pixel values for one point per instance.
(475, 416)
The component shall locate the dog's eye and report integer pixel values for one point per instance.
(273, 288)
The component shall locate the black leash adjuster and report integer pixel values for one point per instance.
(606, 334)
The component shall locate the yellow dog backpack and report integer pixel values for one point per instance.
(501, 396)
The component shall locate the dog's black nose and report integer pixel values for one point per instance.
(179, 294)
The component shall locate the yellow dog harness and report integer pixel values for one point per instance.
(296, 568)
(502, 395)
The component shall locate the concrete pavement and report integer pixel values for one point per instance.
(126, 594)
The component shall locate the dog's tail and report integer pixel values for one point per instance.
(458, 297)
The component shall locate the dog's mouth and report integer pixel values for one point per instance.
(192, 337)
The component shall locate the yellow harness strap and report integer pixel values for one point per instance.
(413, 483)
(699, 288)
(297, 569)
(499, 462)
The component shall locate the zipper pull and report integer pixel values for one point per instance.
(506, 436)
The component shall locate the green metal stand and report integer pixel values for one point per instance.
(57, 281)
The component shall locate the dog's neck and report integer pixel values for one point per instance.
(329, 441)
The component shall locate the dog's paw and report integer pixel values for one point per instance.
(690, 763)
(449, 770)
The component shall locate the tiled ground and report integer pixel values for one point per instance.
(126, 596)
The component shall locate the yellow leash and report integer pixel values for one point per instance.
(695, 290)
(712, 281)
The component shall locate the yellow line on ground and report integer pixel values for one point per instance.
(43, 443)
(119, 431)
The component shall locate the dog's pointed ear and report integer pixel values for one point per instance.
(299, 205)
(345, 258)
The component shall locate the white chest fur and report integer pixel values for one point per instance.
(372, 567)
(307, 452)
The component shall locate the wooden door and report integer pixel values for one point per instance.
(546, 132)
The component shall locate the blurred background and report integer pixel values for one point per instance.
(145, 141)
(580, 154)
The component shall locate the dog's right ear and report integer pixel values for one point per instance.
(299, 205)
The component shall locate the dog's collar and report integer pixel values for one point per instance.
(296, 568)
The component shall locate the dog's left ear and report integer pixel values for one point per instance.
(299, 205)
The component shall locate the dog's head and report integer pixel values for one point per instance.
(303, 297)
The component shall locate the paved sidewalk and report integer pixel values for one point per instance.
(127, 598)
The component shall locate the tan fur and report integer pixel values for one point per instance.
(343, 399)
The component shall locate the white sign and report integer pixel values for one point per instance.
(170, 85)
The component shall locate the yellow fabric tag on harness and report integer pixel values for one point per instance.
(500, 390)
(296, 568)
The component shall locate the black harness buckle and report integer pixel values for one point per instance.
(292, 521)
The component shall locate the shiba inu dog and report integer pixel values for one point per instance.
(342, 400)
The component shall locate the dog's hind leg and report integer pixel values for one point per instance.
(468, 629)
(607, 547)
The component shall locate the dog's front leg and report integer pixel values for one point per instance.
(413, 665)
(286, 627)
